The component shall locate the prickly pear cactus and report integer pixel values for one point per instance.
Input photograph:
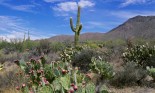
(142, 55)
(81, 90)
(90, 88)
(67, 55)
(65, 82)
(102, 68)
(1, 67)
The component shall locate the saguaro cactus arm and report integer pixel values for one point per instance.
(78, 18)
(71, 24)
(80, 27)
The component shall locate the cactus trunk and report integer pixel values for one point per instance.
(76, 39)
(77, 29)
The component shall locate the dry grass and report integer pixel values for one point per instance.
(10, 90)
(7, 77)
(134, 89)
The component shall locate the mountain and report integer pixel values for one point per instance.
(136, 27)
(83, 37)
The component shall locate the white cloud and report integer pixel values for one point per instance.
(94, 24)
(86, 3)
(72, 5)
(26, 8)
(66, 6)
(130, 14)
(130, 2)
(13, 27)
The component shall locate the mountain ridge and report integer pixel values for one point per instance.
(136, 27)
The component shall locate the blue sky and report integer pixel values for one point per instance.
(47, 18)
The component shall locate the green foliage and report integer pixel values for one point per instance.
(76, 29)
(90, 88)
(83, 58)
(143, 55)
(130, 75)
(67, 54)
(92, 45)
(17, 45)
(151, 72)
(43, 47)
(102, 68)
(57, 46)
(56, 77)
(103, 89)
(1, 66)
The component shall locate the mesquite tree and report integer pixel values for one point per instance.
(76, 29)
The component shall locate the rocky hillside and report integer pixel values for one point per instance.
(136, 27)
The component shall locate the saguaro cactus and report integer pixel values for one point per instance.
(76, 29)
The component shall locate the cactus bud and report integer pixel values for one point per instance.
(75, 87)
(18, 88)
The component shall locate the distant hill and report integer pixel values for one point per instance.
(83, 37)
(136, 27)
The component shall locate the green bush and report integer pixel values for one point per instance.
(143, 55)
(57, 46)
(151, 72)
(129, 75)
(104, 69)
(43, 47)
(83, 58)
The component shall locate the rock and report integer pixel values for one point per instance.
(148, 78)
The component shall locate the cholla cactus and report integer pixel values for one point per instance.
(76, 29)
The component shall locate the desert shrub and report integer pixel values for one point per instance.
(43, 47)
(114, 43)
(17, 45)
(29, 45)
(57, 46)
(92, 44)
(83, 58)
(8, 78)
(129, 75)
(25, 56)
(151, 72)
(143, 55)
(52, 57)
(101, 67)
(7, 57)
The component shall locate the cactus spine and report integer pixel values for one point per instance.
(77, 29)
